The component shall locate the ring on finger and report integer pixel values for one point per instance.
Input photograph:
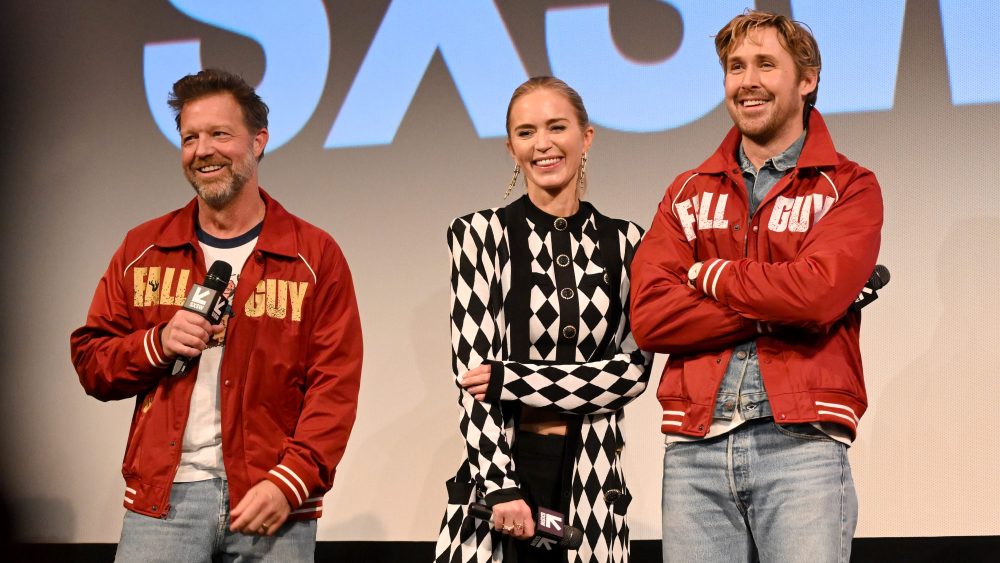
(508, 528)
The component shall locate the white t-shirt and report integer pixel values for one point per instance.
(201, 453)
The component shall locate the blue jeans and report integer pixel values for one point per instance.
(197, 527)
(762, 492)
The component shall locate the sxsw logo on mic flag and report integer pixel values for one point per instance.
(549, 524)
(200, 299)
(206, 302)
(550, 520)
(543, 543)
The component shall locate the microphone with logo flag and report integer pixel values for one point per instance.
(551, 530)
(208, 301)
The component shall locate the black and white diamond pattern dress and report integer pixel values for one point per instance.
(544, 300)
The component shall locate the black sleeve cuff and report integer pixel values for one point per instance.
(503, 495)
(496, 381)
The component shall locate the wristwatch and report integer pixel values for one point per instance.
(693, 272)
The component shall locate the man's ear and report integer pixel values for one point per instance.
(260, 142)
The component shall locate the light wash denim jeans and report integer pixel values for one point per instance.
(197, 527)
(762, 492)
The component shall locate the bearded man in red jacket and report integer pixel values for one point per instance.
(239, 425)
(745, 279)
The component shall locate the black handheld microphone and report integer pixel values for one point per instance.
(208, 301)
(878, 280)
(550, 528)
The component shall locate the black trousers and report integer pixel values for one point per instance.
(539, 463)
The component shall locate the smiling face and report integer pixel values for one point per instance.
(547, 140)
(765, 90)
(219, 153)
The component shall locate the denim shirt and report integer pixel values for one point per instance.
(742, 388)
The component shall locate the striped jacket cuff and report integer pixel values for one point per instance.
(293, 487)
(153, 347)
(709, 276)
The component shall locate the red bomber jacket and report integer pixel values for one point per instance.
(784, 276)
(290, 371)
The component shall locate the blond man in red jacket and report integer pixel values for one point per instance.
(745, 279)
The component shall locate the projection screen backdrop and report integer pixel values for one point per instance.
(388, 121)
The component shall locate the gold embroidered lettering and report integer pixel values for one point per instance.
(153, 287)
(139, 285)
(182, 286)
(255, 303)
(277, 299)
(166, 286)
(297, 294)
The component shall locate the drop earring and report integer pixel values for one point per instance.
(581, 179)
(510, 186)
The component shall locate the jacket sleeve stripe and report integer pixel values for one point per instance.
(298, 497)
(715, 278)
(149, 346)
(706, 268)
(712, 271)
(305, 490)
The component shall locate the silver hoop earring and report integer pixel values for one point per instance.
(510, 186)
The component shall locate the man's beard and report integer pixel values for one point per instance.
(219, 193)
(760, 133)
(763, 129)
(221, 197)
(760, 129)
